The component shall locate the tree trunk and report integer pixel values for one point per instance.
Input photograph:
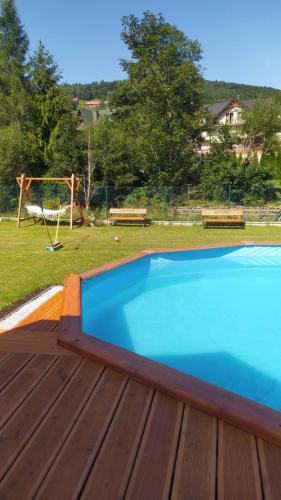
(89, 174)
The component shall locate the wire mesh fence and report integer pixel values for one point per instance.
(178, 203)
(163, 203)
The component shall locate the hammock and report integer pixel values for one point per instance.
(36, 211)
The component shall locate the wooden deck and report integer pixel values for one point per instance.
(72, 428)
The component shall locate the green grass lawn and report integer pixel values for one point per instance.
(26, 266)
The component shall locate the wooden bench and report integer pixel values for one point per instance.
(218, 217)
(129, 215)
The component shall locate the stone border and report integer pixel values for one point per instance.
(19, 313)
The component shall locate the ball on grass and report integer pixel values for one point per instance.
(116, 238)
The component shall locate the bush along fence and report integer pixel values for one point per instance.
(165, 203)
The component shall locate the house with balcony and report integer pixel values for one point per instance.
(224, 113)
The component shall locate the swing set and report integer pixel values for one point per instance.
(37, 212)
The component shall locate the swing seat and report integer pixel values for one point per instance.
(51, 215)
(37, 212)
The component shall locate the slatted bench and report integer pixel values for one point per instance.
(227, 218)
(127, 215)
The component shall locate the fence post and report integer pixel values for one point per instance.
(166, 201)
(229, 196)
(72, 200)
(21, 184)
(106, 201)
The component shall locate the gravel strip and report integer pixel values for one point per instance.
(19, 314)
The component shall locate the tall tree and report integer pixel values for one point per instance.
(51, 106)
(260, 126)
(13, 50)
(224, 178)
(17, 150)
(110, 152)
(159, 103)
(13, 38)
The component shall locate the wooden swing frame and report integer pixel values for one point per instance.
(25, 183)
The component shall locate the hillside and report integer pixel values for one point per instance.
(94, 90)
(215, 91)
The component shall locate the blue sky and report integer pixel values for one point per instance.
(241, 40)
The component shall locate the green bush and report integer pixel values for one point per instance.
(248, 184)
(145, 197)
(8, 198)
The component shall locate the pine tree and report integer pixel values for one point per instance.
(13, 38)
(13, 50)
(52, 115)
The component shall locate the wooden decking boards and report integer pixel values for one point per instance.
(74, 428)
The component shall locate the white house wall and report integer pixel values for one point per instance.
(236, 112)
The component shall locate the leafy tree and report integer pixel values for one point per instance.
(18, 153)
(113, 154)
(158, 106)
(69, 149)
(259, 127)
(248, 184)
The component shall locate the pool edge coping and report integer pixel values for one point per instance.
(234, 409)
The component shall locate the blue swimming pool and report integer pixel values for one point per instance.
(214, 314)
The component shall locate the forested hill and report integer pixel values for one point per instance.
(215, 91)
(94, 90)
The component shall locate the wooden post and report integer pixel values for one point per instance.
(72, 200)
(22, 179)
(77, 201)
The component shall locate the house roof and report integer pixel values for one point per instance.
(86, 115)
(92, 116)
(218, 107)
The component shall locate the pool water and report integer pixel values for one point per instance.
(214, 314)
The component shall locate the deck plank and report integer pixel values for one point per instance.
(31, 347)
(19, 334)
(111, 472)
(36, 341)
(12, 366)
(270, 463)
(83, 443)
(20, 428)
(31, 466)
(157, 451)
(195, 473)
(23, 384)
(238, 471)
(3, 356)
